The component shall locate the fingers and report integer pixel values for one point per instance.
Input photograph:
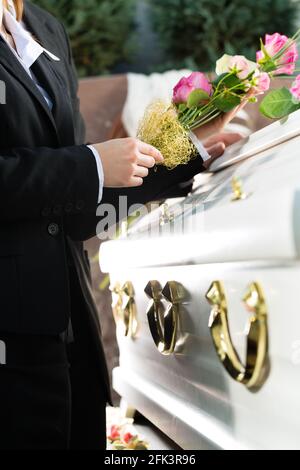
(216, 151)
(150, 151)
(135, 181)
(146, 161)
(216, 145)
(146, 157)
(141, 171)
(231, 138)
(228, 138)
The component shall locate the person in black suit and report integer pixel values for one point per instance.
(54, 383)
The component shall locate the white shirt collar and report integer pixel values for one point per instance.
(28, 49)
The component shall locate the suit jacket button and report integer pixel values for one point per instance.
(69, 207)
(80, 205)
(46, 212)
(53, 230)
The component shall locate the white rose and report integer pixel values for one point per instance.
(227, 63)
(222, 65)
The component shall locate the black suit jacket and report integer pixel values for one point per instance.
(49, 189)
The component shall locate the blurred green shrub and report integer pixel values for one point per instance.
(195, 33)
(98, 29)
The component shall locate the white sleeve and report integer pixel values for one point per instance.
(100, 171)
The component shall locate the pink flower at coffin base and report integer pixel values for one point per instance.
(128, 437)
(274, 43)
(183, 89)
(114, 433)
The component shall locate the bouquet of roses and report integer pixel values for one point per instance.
(197, 100)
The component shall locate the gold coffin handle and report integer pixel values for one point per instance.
(163, 323)
(124, 308)
(129, 310)
(237, 190)
(166, 216)
(253, 373)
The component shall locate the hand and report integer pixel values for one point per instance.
(217, 125)
(217, 144)
(126, 161)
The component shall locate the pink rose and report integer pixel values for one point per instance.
(261, 82)
(183, 89)
(295, 89)
(274, 43)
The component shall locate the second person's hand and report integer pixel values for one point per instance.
(217, 144)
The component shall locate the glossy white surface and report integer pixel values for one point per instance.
(185, 425)
(271, 136)
(189, 395)
(194, 376)
(216, 238)
(209, 227)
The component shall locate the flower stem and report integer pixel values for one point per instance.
(205, 121)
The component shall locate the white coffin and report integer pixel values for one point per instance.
(208, 237)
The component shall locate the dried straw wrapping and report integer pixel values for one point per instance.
(161, 128)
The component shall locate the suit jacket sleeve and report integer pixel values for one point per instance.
(160, 184)
(34, 181)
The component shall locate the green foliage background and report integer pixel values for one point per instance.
(98, 29)
(192, 33)
(195, 33)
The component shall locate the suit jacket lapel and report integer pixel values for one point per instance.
(62, 111)
(13, 66)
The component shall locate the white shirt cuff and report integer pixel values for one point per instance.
(100, 171)
(200, 147)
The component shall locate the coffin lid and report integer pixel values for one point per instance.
(264, 226)
(264, 139)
